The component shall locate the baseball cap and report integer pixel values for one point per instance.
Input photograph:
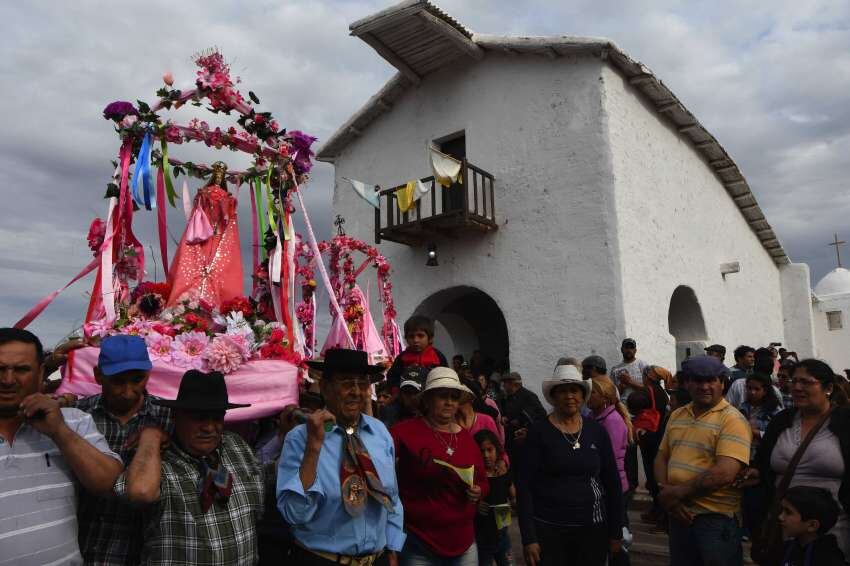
(716, 348)
(122, 353)
(413, 376)
(704, 367)
(629, 343)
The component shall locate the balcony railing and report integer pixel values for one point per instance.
(467, 206)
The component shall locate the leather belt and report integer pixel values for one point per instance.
(344, 559)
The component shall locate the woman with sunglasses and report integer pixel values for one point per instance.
(826, 461)
(441, 477)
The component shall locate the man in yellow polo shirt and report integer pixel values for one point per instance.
(706, 444)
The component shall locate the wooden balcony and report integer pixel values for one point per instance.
(467, 207)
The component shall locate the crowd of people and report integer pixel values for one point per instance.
(427, 463)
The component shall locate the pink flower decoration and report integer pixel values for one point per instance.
(159, 347)
(98, 328)
(188, 349)
(137, 328)
(168, 78)
(223, 354)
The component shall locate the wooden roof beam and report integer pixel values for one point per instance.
(452, 34)
(391, 57)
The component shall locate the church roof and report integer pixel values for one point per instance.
(836, 282)
(418, 38)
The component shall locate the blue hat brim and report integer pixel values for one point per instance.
(120, 367)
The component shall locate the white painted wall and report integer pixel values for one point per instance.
(797, 313)
(833, 346)
(676, 225)
(535, 124)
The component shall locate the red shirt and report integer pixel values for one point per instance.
(436, 507)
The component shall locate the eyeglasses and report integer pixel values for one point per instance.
(348, 384)
(805, 382)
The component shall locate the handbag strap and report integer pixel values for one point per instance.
(798, 455)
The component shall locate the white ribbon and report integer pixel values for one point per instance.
(187, 200)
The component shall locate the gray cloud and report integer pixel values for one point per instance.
(770, 79)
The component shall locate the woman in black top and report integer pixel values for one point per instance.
(568, 486)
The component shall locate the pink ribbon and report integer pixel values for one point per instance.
(321, 264)
(42, 304)
(161, 220)
(255, 237)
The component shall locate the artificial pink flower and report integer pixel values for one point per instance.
(97, 328)
(159, 347)
(168, 78)
(187, 350)
(223, 354)
(137, 328)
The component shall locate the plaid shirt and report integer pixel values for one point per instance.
(177, 531)
(110, 530)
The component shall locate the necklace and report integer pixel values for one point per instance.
(573, 439)
(450, 445)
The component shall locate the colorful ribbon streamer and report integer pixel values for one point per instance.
(161, 221)
(142, 174)
(166, 169)
(321, 265)
(42, 304)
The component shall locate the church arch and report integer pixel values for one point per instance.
(467, 319)
(686, 323)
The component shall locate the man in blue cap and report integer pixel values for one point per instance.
(111, 530)
(705, 445)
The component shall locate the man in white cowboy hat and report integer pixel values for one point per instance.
(336, 478)
(204, 494)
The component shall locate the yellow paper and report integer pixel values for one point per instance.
(502, 513)
(467, 475)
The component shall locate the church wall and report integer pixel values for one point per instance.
(797, 314)
(833, 346)
(535, 124)
(677, 225)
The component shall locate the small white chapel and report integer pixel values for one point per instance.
(588, 203)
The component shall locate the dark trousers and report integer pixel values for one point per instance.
(711, 540)
(648, 451)
(572, 546)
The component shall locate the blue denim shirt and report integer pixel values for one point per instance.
(318, 519)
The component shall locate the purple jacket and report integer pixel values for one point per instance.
(617, 431)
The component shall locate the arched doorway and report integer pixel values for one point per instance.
(467, 319)
(686, 324)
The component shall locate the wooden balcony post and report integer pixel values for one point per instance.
(378, 221)
(464, 179)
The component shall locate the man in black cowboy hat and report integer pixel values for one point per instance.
(336, 482)
(204, 493)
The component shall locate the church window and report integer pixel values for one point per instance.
(833, 320)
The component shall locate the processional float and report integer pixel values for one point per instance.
(199, 316)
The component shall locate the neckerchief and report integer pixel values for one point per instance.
(216, 482)
(358, 477)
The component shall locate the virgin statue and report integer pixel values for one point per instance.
(208, 262)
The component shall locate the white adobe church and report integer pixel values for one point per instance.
(831, 308)
(592, 204)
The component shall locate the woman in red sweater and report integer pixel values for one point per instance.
(441, 477)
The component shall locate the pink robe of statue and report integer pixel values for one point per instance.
(208, 260)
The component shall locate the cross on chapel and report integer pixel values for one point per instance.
(836, 242)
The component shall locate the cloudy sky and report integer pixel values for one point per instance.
(770, 78)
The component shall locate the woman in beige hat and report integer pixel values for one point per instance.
(441, 477)
(568, 486)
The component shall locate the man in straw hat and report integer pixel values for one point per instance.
(204, 493)
(336, 480)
